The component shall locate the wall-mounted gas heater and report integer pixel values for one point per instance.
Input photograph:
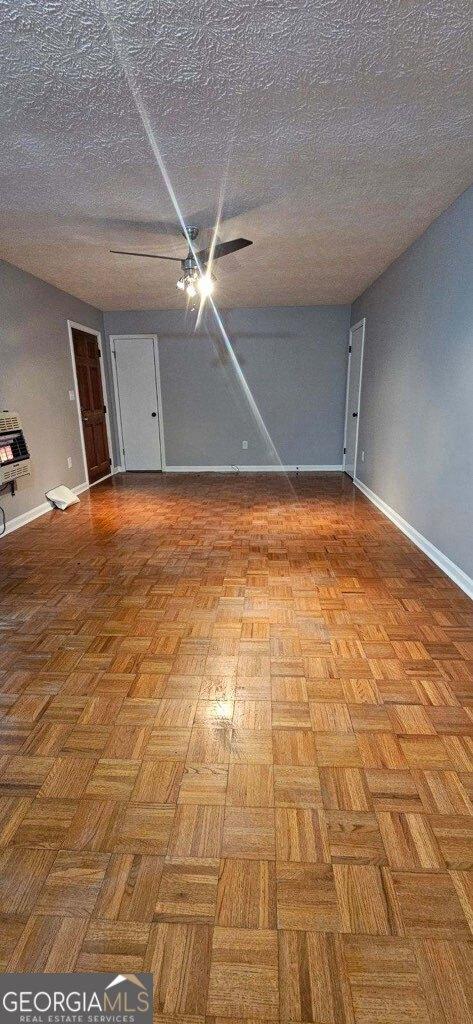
(14, 454)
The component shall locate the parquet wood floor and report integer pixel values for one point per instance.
(236, 749)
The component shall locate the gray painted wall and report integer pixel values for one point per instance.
(294, 360)
(35, 376)
(416, 423)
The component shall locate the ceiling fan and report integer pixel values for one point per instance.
(196, 274)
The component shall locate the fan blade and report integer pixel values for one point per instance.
(151, 255)
(222, 249)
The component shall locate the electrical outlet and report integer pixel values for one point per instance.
(244, 445)
(69, 462)
(362, 456)
(71, 396)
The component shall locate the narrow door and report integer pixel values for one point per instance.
(92, 408)
(355, 366)
(137, 392)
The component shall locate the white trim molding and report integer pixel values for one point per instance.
(40, 510)
(445, 564)
(254, 469)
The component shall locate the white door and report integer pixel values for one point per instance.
(355, 367)
(136, 380)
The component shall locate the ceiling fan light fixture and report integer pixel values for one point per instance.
(205, 284)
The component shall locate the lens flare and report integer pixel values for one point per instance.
(130, 77)
(205, 285)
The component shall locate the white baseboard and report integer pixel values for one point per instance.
(35, 513)
(118, 469)
(253, 469)
(445, 564)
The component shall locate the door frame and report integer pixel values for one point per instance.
(129, 337)
(91, 330)
(354, 327)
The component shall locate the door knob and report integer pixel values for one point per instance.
(354, 414)
(153, 414)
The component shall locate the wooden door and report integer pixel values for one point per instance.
(89, 380)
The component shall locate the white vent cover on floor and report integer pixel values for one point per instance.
(61, 497)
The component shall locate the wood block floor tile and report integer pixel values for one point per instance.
(251, 746)
(187, 892)
(209, 744)
(167, 744)
(108, 943)
(429, 904)
(382, 750)
(344, 789)
(252, 714)
(204, 784)
(294, 747)
(447, 972)
(246, 895)
(454, 835)
(43, 823)
(113, 778)
(297, 786)
(249, 833)
(443, 792)
(141, 828)
(313, 979)
(410, 719)
(354, 837)
(22, 876)
(197, 832)
(395, 791)
(250, 785)
(337, 750)
(244, 715)
(307, 898)
(410, 842)
(127, 742)
(301, 835)
(130, 888)
(290, 715)
(73, 884)
(244, 974)
(48, 944)
(11, 928)
(158, 782)
(363, 898)
(68, 777)
(385, 981)
(330, 717)
(426, 752)
(178, 956)
(24, 776)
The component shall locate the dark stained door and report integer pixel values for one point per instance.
(89, 380)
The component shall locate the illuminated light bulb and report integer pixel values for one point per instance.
(205, 285)
(191, 290)
(181, 284)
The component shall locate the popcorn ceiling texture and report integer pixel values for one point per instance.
(335, 130)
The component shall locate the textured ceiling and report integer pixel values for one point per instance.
(335, 130)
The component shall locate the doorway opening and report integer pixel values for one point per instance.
(353, 399)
